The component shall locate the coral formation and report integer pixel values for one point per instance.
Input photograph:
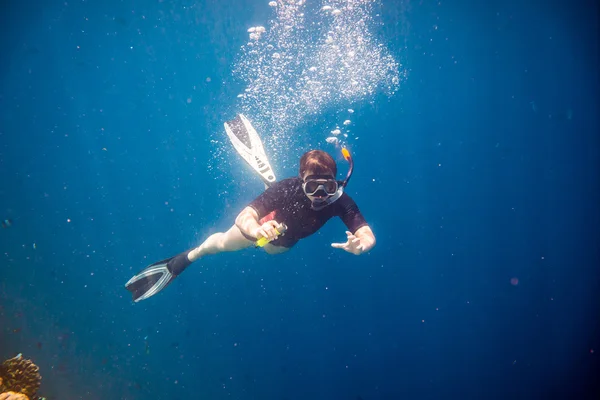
(20, 376)
(13, 396)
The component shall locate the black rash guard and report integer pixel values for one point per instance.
(291, 207)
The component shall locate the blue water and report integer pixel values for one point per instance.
(483, 168)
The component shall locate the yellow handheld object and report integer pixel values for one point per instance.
(263, 240)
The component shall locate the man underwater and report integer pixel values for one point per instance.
(287, 211)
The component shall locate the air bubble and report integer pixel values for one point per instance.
(292, 79)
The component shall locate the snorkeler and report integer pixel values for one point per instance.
(287, 211)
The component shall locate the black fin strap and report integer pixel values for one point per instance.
(179, 263)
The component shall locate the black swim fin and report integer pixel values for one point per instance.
(157, 276)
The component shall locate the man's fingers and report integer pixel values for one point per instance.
(274, 224)
(338, 245)
(266, 233)
(267, 230)
(271, 228)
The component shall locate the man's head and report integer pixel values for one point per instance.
(318, 170)
(317, 162)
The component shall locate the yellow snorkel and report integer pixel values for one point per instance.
(348, 158)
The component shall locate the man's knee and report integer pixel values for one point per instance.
(234, 240)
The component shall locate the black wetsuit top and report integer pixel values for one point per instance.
(291, 206)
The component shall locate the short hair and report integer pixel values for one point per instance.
(318, 162)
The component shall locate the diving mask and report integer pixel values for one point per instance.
(319, 185)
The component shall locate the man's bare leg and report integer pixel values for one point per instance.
(272, 249)
(232, 240)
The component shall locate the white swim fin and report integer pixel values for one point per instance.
(248, 144)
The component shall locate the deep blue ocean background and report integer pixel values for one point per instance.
(483, 168)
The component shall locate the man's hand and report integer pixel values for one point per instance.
(267, 230)
(353, 245)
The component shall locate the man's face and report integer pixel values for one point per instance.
(323, 184)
